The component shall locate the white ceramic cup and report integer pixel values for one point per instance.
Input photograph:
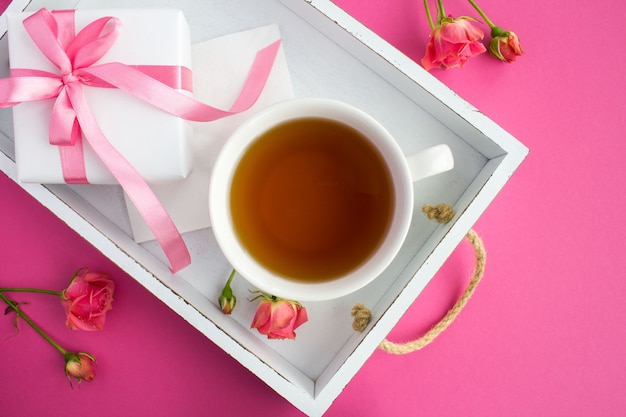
(404, 170)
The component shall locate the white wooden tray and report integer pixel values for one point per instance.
(331, 55)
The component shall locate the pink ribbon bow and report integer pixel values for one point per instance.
(72, 121)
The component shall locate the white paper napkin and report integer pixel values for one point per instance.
(220, 67)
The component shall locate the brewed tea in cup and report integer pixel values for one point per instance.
(311, 199)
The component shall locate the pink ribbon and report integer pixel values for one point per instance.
(72, 121)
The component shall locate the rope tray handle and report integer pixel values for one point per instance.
(442, 213)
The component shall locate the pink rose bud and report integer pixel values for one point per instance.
(87, 299)
(80, 366)
(227, 299)
(227, 304)
(451, 43)
(277, 318)
(505, 46)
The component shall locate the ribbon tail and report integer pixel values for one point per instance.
(66, 135)
(138, 191)
(257, 77)
(73, 158)
(172, 101)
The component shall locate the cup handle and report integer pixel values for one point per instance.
(429, 162)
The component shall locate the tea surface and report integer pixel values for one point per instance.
(311, 199)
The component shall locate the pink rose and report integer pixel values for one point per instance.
(80, 366)
(505, 46)
(451, 43)
(87, 299)
(278, 318)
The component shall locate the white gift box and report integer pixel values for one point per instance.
(154, 142)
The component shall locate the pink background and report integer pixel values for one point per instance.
(544, 334)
